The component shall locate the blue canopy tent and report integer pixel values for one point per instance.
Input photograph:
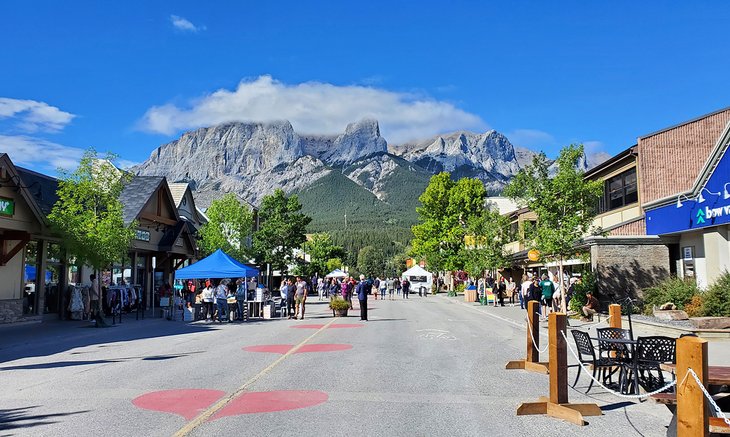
(217, 265)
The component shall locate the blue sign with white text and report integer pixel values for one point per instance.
(709, 207)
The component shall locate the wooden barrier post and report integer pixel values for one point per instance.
(692, 419)
(532, 360)
(614, 314)
(557, 404)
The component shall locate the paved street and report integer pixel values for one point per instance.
(422, 367)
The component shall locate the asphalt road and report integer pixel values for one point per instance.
(421, 367)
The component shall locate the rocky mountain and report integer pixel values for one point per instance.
(329, 172)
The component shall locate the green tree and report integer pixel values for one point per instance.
(565, 204)
(333, 263)
(487, 235)
(89, 213)
(447, 207)
(370, 261)
(229, 226)
(321, 249)
(281, 231)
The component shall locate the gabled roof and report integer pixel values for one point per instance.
(24, 190)
(137, 193)
(43, 188)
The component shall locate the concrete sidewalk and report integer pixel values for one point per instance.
(718, 348)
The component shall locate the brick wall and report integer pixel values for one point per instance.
(637, 227)
(624, 270)
(11, 310)
(670, 161)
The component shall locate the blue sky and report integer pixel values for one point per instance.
(129, 76)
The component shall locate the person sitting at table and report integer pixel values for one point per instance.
(590, 308)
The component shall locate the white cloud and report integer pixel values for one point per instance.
(184, 24)
(530, 138)
(33, 152)
(33, 116)
(315, 107)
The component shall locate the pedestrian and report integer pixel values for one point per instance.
(300, 297)
(383, 287)
(406, 287)
(208, 299)
(548, 288)
(511, 290)
(350, 289)
(363, 287)
(241, 294)
(524, 291)
(290, 291)
(320, 287)
(397, 285)
(283, 293)
(501, 291)
(221, 294)
(391, 288)
(376, 287)
(571, 291)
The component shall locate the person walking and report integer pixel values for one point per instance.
(501, 291)
(524, 291)
(221, 300)
(283, 288)
(406, 288)
(397, 286)
(547, 287)
(300, 297)
(391, 288)
(241, 292)
(383, 287)
(362, 289)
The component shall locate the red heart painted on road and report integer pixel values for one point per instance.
(268, 402)
(284, 348)
(192, 402)
(186, 403)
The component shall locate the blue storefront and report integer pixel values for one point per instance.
(701, 219)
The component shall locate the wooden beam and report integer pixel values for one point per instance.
(157, 218)
(7, 256)
(558, 359)
(691, 406)
(533, 332)
(614, 312)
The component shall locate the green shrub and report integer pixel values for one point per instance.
(716, 300)
(587, 283)
(339, 304)
(676, 290)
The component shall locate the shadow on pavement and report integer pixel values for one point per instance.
(61, 364)
(16, 418)
(49, 338)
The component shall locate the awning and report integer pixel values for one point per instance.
(217, 265)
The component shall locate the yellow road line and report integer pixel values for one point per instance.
(207, 414)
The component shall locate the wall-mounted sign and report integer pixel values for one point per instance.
(533, 255)
(142, 235)
(7, 207)
(687, 253)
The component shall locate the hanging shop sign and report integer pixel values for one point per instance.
(533, 255)
(7, 207)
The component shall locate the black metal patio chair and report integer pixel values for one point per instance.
(602, 367)
(618, 354)
(651, 353)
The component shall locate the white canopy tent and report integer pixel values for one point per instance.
(336, 273)
(418, 277)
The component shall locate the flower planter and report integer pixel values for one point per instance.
(340, 313)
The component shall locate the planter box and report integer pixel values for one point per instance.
(341, 313)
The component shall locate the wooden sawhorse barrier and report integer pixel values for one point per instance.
(557, 404)
(532, 360)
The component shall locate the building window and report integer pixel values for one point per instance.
(619, 191)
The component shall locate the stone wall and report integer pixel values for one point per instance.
(11, 310)
(626, 269)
